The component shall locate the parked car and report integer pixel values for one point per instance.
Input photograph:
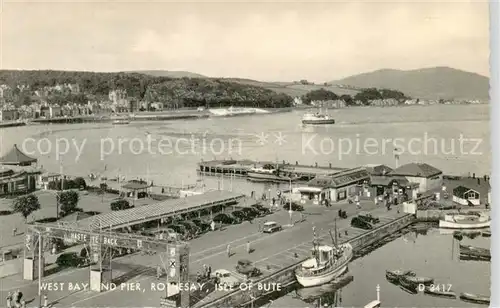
(204, 226)
(246, 267)
(239, 215)
(224, 219)
(295, 207)
(166, 234)
(361, 223)
(190, 226)
(369, 217)
(179, 229)
(69, 259)
(250, 212)
(263, 211)
(271, 226)
(225, 278)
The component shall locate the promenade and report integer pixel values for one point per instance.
(270, 250)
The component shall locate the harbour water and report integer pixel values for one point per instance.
(95, 148)
(429, 255)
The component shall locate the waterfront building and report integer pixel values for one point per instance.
(135, 189)
(427, 176)
(8, 115)
(18, 179)
(16, 173)
(473, 189)
(336, 187)
(465, 196)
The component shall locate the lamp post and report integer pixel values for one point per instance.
(290, 211)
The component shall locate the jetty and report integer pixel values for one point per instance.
(241, 168)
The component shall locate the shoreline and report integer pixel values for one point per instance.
(183, 114)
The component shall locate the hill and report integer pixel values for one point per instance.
(293, 89)
(170, 74)
(427, 83)
(52, 86)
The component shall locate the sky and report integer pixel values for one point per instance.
(269, 41)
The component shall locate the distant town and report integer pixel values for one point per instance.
(38, 106)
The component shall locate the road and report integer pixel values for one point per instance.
(208, 249)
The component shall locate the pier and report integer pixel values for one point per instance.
(279, 268)
(241, 168)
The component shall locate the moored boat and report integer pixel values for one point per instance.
(486, 233)
(268, 173)
(437, 292)
(418, 280)
(475, 298)
(396, 274)
(327, 263)
(465, 221)
(408, 286)
(122, 121)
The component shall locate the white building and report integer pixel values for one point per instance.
(426, 176)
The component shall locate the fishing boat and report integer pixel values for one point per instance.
(327, 263)
(313, 293)
(317, 119)
(475, 298)
(437, 292)
(418, 280)
(465, 221)
(396, 274)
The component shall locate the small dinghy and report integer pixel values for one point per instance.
(475, 298)
(486, 233)
(396, 274)
(437, 292)
(419, 280)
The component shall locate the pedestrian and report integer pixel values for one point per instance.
(228, 248)
(14, 231)
(54, 249)
(205, 270)
(209, 271)
(274, 201)
(248, 247)
(9, 300)
(45, 301)
(358, 205)
(158, 272)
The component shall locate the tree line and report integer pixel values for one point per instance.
(365, 96)
(172, 92)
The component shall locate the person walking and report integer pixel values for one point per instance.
(209, 271)
(212, 225)
(228, 249)
(248, 247)
(14, 231)
(9, 300)
(358, 204)
(158, 272)
(260, 225)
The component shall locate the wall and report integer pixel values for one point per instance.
(435, 215)
(426, 183)
(287, 275)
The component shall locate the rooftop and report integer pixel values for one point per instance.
(416, 170)
(136, 215)
(17, 157)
